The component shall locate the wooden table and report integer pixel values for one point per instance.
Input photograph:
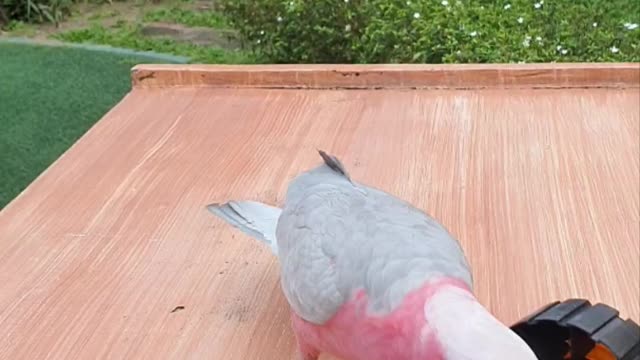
(110, 253)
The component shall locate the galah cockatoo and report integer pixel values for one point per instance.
(370, 277)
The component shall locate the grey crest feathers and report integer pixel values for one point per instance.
(334, 164)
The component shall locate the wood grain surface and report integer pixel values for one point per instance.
(100, 253)
(389, 76)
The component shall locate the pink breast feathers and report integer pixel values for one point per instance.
(352, 334)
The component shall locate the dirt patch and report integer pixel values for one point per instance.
(85, 15)
(222, 38)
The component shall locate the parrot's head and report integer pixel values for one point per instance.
(466, 330)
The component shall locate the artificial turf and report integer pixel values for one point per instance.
(49, 97)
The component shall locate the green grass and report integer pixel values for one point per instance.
(128, 36)
(50, 96)
(178, 15)
(20, 28)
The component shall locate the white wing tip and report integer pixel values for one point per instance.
(255, 219)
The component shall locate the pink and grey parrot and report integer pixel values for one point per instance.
(370, 277)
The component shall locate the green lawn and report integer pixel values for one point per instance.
(49, 97)
(125, 35)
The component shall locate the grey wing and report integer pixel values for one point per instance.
(306, 234)
(408, 249)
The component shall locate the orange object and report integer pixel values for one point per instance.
(111, 253)
(600, 352)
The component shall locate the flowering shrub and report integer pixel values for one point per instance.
(318, 31)
(438, 31)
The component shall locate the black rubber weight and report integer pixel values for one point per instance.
(576, 327)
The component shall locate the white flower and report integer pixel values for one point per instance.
(346, 1)
(507, 7)
(279, 18)
(520, 20)
(416, 15)
(614, 49)
(261, 32)
(458, 52)
(630, 26)
(445, 3)
(408, 3)
(258, 41)
(347, 28)
(595, 24)
(539, 39)
(537, 5)
(473, 33)
(525, 43)
(559, 47)
(564, 51)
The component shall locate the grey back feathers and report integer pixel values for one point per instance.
(334, 237)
